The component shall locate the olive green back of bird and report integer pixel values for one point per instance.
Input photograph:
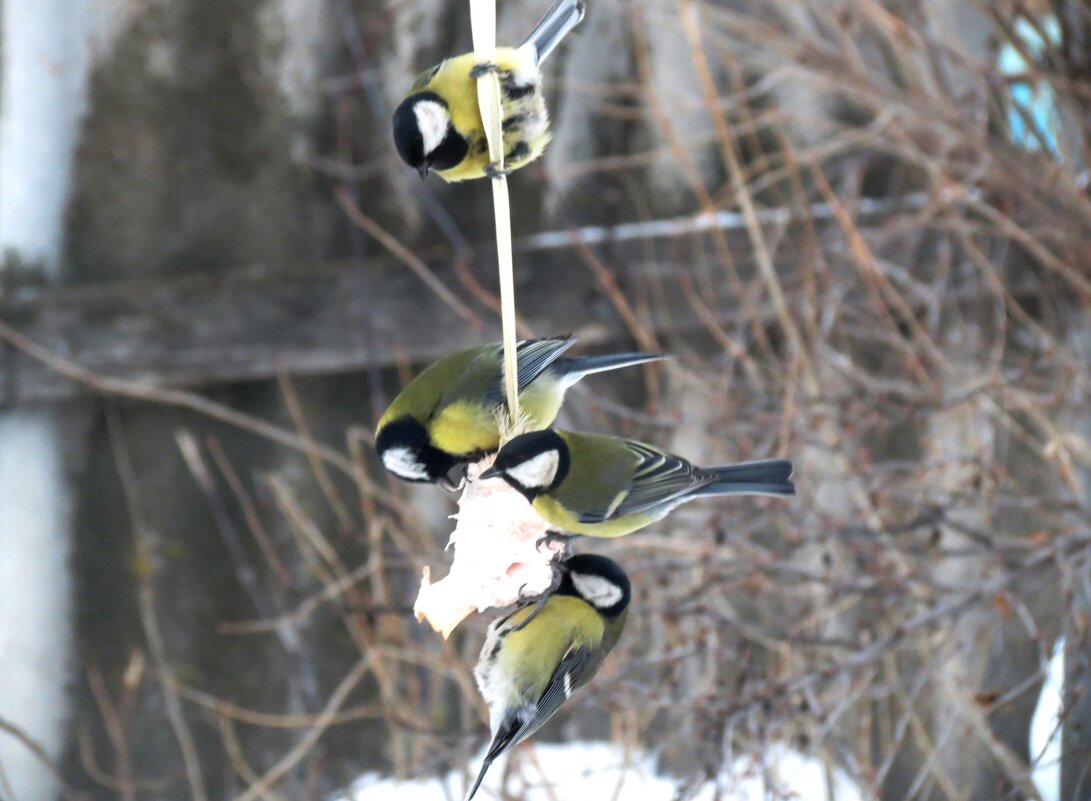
(582, 626)
(471, 404)
(457, 397)
(538, 667)
(600, 475)
(421, 395)
(615, 486)
(534, 659)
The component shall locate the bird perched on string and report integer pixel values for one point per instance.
(438, 127)
(526, 672)
(449, 414)
(605, 486)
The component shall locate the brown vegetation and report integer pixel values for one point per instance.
(896, 297)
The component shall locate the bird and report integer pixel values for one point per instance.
(528, 669)
(438, 127)
(448, 415)
(605, 486)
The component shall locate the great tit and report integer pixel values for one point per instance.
(526, 672)
(605, 486)
(437, 127)
(447, 415)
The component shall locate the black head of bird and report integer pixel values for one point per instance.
(424, 135)
(532, 463)
(407, 452)
(599, 581)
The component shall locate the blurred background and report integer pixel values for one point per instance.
(862, 226)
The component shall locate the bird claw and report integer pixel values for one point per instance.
(485, 68)
(555, 536)
(522, 598)
(494, 170)
(540, 603)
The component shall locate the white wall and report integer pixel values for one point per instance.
(46, 52)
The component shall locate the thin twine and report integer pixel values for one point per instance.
(483, 28)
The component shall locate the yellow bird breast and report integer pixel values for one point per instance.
(564, 519)
(463, 428)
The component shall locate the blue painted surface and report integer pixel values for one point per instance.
(1032, 117)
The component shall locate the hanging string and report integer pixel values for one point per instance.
(483, 28)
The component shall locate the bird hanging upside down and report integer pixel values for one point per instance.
(438, 127)
(529, 666)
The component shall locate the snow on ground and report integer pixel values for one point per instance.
(600, 771)
(1045, 734)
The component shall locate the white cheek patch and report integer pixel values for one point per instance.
(403, 462)
(597, 591)
(432, 122)
(537, 472)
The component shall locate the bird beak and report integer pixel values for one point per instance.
(492, 472)
(422, 171)
(455, 478)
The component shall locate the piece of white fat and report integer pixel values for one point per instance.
(496, 554)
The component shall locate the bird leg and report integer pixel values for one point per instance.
(480, 70)
(539, 605)
(556, 536)
(494, 170)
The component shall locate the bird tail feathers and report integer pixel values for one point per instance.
(555, 25)
(573, 368)
(766, 477)
(481, 775)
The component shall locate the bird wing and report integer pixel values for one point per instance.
(424, 78)
(533, 356)
(576, 669)
(577, 664)
(659, 477)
